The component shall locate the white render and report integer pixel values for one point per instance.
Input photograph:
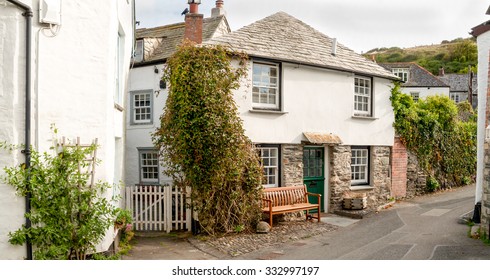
(314, 100)
(319, 100)
(139, 135)
(424, 92)
(483, 43)
(73, 87)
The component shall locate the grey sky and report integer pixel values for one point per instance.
(358, 24)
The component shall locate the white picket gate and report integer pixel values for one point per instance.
(158, 208)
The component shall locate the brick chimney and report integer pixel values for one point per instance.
(218, 10)
(193, 24)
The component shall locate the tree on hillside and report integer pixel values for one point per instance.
(202, 141)
(454, 56)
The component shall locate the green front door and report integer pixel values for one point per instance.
(314, 172)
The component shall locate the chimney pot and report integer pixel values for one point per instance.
(218, 10)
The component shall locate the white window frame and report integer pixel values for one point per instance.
(269, 159)
(153, 163)
(263, 84)
(415, 95)
(363, 96)
(360, 161)
(456, 96)
(403, 73)
(134, 108)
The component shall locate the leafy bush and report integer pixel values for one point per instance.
(69, 218)
(202, 141)
(441, 134)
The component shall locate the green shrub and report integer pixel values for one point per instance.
(202, 141)
(69, 217)
(441, 135)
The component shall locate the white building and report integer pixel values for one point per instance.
(417, 81)
(482, 193)
(319, 113)
(79, 56)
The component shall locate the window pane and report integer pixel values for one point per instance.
(269, 160)
(265, 85)
(359, 165)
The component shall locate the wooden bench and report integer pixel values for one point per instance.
(282, 200)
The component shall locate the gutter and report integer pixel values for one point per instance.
(27, 150)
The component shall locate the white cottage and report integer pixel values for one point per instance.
(64, 63)
(318, 112)
(417, 81)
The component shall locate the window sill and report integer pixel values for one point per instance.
(364, 117)
(361, 187)
(266, 111)
(140, 125)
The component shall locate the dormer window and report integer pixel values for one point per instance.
(138, 52)
(403, 73)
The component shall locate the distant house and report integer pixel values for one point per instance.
(72, 74)
(460, 87)
(482, 193)
(318, 112)
(416, 80)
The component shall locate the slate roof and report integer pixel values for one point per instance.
(418, 76)
(282, 37)
(171, 36)
(481, 28)
(459, 82)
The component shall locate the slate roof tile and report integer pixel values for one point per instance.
(285, 38)
(418, 76)
(171, 36)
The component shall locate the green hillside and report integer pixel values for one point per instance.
(455, 56)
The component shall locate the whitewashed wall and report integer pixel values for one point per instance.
(318, 100)
(315, 100)
(73, 87)
(483, 43)
(427, 91)
(139, 135)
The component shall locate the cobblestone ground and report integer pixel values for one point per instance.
(235, 245)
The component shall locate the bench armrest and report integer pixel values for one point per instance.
(314, 194)
(269, 201)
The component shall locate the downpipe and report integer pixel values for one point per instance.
(27, 150)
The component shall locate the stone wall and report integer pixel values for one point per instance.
(340, 174)
(381, 179)
(292, 165)
(416, 178)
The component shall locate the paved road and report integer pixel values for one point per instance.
(419, 229)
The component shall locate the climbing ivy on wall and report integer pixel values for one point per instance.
(202, 141)
(441, 134)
